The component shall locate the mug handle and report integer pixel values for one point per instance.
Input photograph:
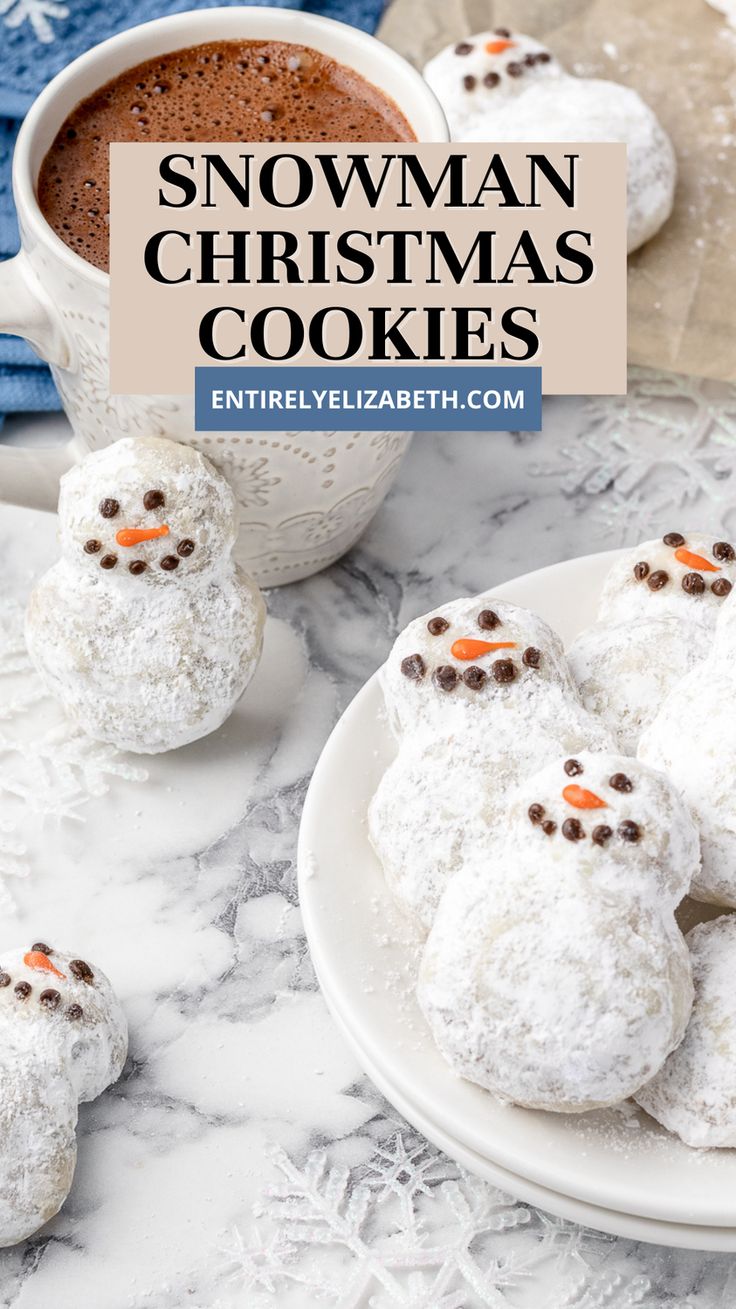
(30, 476)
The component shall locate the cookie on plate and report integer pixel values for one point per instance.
(555, 975)
(64, 1040)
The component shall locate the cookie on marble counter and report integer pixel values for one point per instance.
(63, 1041)
(505, 86)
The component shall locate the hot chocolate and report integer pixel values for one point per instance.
(223, 91)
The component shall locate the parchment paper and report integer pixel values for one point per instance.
(681, 57)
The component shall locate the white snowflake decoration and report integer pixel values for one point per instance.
(666, 446)
(49, 768)
(39, 13)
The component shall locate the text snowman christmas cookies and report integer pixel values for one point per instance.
(503, 86)
(479, 694)
(656, 618)
(146, 630)
(555, 974)
(64, 1040)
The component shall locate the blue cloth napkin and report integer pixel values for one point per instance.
(39, 38)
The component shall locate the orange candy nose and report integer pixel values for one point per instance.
(35, 959)
(467, 648)
(134, 535)
(691, 560)
(582, 799)
(498, 47)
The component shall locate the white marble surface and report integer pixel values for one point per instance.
(243, 1159)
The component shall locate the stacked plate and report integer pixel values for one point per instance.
(615, 1170)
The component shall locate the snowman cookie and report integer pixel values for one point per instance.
(656, 618)
(478, 693)
(145, 630)
(555, 974)
(503, 86)
(64, 1040)
(693, 1093)
(693, 739)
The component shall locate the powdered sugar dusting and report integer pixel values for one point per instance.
(147, 643)
(555, 975)
(463, 747)
(693, 1094)
(509, 95)
(64, 1040)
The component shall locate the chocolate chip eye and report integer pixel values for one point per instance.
(474, 678)
(81, 970)
(91, 547)
(601, 834)
(169, 563)
(487, 620)
(721, 586)
(413, 667)
(532, 657)
(620, 782)
(445, 677)
(657, 580)
(436, 626)
(109, 508)
(504, 670)
(629, 831)
(641, 570)
(548, 827)
(41, 948)
(572, 829)
(536, 813)
(463, 48)
(185, 548)
(674, 539)
(693, 584)
(154, 500)
(722, 550)
(573, 767)
(50, 999)
(108, 561)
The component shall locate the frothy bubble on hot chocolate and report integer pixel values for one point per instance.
(228, 91)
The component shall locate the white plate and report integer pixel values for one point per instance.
(615, 1159)
(689, 1237)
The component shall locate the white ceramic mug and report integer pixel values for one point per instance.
(304, 497)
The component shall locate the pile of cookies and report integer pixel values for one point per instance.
(544, 817)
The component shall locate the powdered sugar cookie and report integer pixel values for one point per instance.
(693, 738)
(504, 86)
(656, 619)
(693, 1094)
(145, 629)
(554, 974)
(64, 1040)
(479, 693)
